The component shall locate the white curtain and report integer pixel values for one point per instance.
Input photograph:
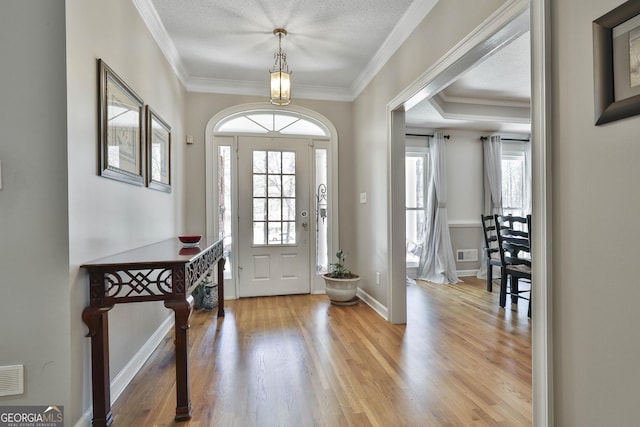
(527, 178)
(437, 263)
(492, 149)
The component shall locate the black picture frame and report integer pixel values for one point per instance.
(158, 152)
(606, 107)
(120, 129)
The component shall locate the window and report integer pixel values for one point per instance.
(225, 210)
(416, 175)
(280, 122)
(513, 179)
(274, 197)
(322, 210)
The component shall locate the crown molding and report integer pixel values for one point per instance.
(407, 23)
(159, 33)
(494, 102)
(480, 112)
(413, 16)
(241, 87)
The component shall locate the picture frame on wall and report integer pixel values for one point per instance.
(158, 152)
(121, 128)
(616, 63)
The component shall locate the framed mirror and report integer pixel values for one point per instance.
(158, 152)
(121, 130)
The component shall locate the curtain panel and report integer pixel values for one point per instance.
(437, 263)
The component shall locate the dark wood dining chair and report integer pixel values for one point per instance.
(491, 249)
(514, 245)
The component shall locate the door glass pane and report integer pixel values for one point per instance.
(259, 185)
(259, 209)
(288, 186)
(288, 233)
(274, 186)
(289, 209)
(259, 162)
(274, 162)
(322, 211)
(225, 213)
(289, 162)
(275, 233)
(258, 233)
(274, 200)
(275, 210)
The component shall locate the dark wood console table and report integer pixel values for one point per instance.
(163, 271)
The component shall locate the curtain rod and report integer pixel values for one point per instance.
(430, 136)
(484, 138)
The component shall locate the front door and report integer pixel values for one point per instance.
(273, 216)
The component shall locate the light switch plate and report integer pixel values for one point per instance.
(363, 197)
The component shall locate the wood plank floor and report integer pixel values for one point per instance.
(299, 361)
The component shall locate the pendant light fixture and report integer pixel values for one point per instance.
(280, 74)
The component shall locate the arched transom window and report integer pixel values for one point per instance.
(272, 121)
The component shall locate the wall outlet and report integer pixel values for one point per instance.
(363, 197)
(377, 278)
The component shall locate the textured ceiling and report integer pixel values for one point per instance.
(330, 44)
(334, 48)
(492, 96)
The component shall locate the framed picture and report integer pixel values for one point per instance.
(121, 129)
(616, 63)
(158, 152)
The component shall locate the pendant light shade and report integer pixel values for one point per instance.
(280, 74)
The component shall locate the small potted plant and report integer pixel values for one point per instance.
(341, 284)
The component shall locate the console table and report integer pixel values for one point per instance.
(163, 271)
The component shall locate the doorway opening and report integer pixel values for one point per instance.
(271, 194)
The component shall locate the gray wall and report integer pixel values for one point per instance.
(34, 261)
(55, 212)
(440, 31)
(596, 344)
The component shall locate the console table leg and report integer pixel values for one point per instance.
(182, 312)
(96, 319)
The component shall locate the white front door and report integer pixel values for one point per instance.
(273, 216)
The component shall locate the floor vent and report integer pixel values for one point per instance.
(465, 255)
(11, 380)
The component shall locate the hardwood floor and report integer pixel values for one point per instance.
(299, 361)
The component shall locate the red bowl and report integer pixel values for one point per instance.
(193, 238)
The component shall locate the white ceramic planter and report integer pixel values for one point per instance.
(342, 291)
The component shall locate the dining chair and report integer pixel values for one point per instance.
(491, 249)
(515, 256)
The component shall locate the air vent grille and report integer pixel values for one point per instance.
(464, 255)
(11, 380)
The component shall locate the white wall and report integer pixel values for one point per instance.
(445, 26)
(34, 266)
(596, 344)
(465, 184)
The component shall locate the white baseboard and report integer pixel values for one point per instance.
(374, 304)
(467, 273)
(124, 377)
